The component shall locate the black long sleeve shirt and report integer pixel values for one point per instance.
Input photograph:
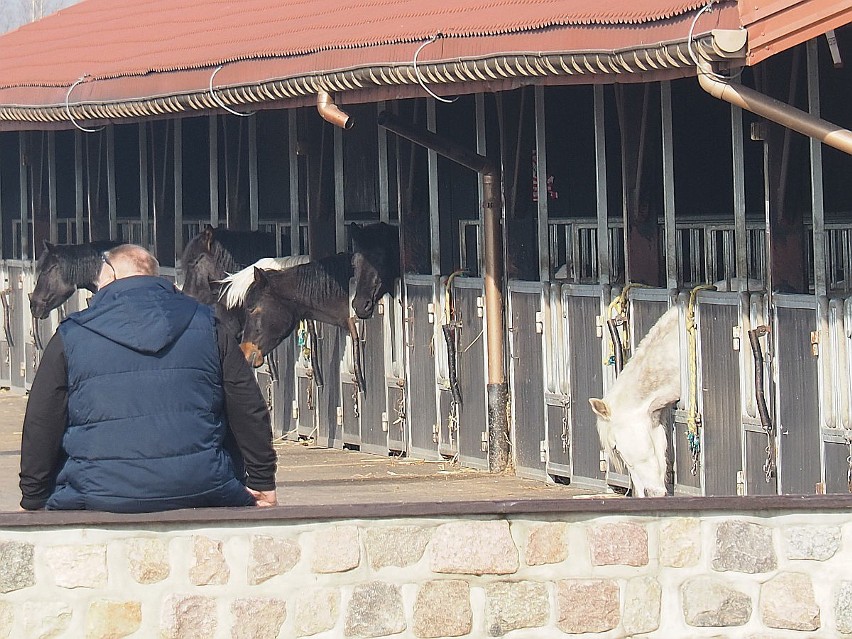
(47, 416)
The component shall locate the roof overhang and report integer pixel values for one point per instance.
(259, 84)
(85, 79)
(777, 25)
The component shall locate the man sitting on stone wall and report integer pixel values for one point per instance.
(141, 403)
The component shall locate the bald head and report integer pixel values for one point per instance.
(127, 260)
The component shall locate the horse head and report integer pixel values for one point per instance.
(203, 266)
(268, 319)
(375, 264)
(53, 285)
(633, 437)
(201, 279)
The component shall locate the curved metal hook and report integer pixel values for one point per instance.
(68, 108)
(419, 77)
(219, 101)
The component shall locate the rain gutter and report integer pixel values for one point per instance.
(642, 61)
(763, 105)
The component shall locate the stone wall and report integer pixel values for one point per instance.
(665, 575)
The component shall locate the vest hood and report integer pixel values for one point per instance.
(143, 313)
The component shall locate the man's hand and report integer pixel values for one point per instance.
(264, 498)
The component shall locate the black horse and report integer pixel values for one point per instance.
(278, 300)
(214, 253)
(62, 269)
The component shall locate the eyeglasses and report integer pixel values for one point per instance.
(106, 261)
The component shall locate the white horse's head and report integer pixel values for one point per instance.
(633, 437)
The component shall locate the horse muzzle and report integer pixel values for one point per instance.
(252, 354)
(365, 310)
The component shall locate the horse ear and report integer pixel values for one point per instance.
(354, 231)
(48, 247)
(600, 408)
(207, 237)
(260, 276)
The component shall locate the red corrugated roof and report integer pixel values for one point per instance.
(156, 57)
(109, 38)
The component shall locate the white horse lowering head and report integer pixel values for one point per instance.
(629, 417)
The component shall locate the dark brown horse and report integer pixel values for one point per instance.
(319, 290)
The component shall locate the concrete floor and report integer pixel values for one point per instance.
(309, 475)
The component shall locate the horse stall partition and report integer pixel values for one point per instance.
(837, 425)
(720, 344)
(557, 399)
(372, 403)
(349, 410)
(36, 332)
(574, 449)
(14, 325)
(525, 328)
(6, 334)
(304, 403)
(396, 418)
(647, 306)
(331, 344)
(277, 382)
(797, 394)
(471, 436)
(421, 349)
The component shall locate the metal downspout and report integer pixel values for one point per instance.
(330, 112)
(498, 391)
(774, 110)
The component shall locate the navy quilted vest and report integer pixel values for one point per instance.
(146, 420)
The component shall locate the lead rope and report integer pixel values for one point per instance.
(451, 340)
(693, 418)
(617, 316)
(765, 420)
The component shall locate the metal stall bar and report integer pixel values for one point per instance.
(110, 171)
(604, 262)
(384, 195)
(177, 146)
(293, 144)
(144, 203)
(669, 226)
(213, 166)
(80, 235)
(252, 169)
(53, 229)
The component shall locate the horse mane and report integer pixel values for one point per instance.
(235, 286)
(318, 280)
